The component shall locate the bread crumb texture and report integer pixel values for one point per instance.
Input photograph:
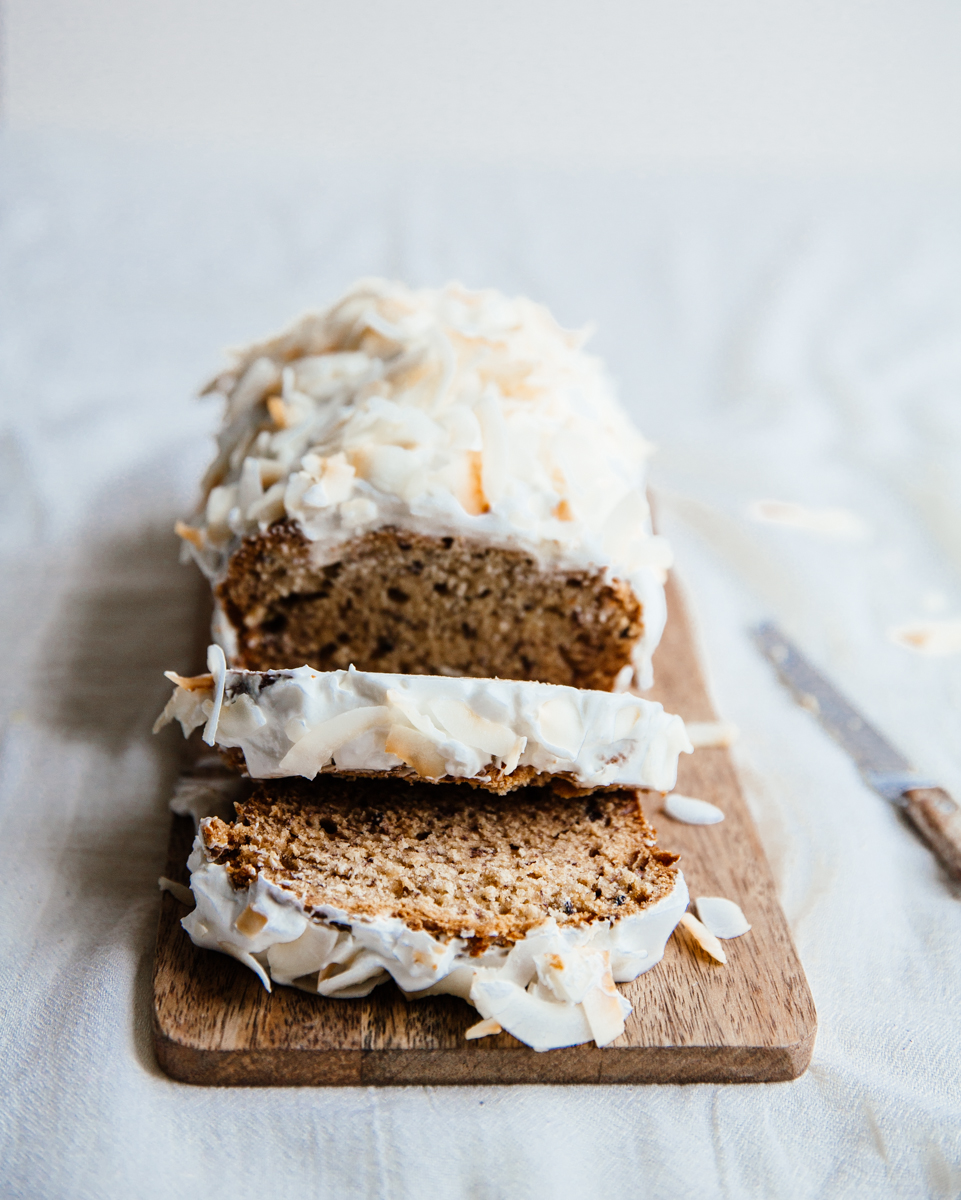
(403, 602)
(447, 860)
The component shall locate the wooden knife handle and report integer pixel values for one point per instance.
(937, 817)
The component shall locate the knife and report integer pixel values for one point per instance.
(934, 813)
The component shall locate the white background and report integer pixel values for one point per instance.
(760, 207)
(789, 84)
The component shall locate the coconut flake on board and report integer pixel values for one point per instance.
(179, 891)
(934, 638)
(829, 522)
(703, 936)
(691, 811)
(486, 1028)
(711, 734)
(721, 917)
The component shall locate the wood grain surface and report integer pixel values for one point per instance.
(937, 816)
(694, 1020)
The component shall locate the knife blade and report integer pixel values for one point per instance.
(936, 815)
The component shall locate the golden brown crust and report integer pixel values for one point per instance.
(497, 779)
(402, 602)
(444, 860)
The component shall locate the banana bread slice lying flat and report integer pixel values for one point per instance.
(529, 906)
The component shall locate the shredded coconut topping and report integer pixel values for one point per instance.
(440, 411)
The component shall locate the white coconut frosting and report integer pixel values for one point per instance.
(553, 988)
(297, 722)
(443, 412)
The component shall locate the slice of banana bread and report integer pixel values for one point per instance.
(530, 907)
(444, 863)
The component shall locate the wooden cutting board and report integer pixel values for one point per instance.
(693, 1021)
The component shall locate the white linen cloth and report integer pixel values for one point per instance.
(785, 341)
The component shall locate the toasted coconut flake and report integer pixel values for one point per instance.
(278, 411)
(511, 379)
(691, 811)
(250, 922)
(410, 371)
(483, 1029)
(934, 638)
(721, 917)
(248, 960)
(185, 707)
(410, 713)
(417, 750)
(829, 522)
(272, 471)
(463, 723)
(217, 665)
(624, 678)
(604, 1013)
(315, 749)
(178, 890)
(711, 734)
(703, 936)
(473, 499)
(376, 344)
(270, 507)
(561, 725)
(191, 683)
(542, 1024)
(328, 480)
(189, 534)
